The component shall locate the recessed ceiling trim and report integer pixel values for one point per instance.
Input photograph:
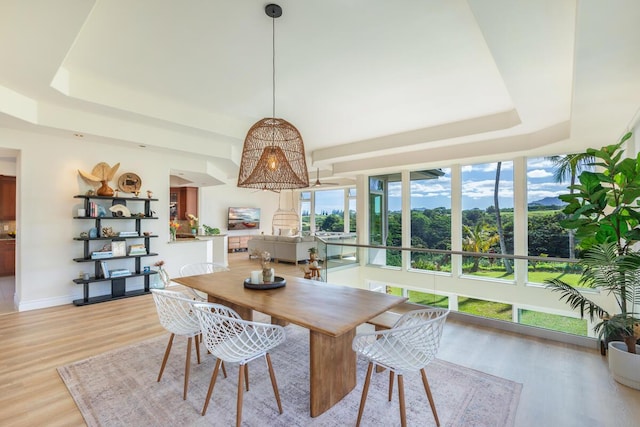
(406, 141)
(490, 148)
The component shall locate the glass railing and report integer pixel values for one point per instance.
(481, 285)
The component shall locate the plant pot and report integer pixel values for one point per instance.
(624, 366)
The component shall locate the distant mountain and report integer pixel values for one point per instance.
(548, 201)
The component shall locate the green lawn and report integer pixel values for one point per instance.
(428, 299)
(541, 276)
(533, 276)
(494, 274)
(489, 309)
(554, 322)
(499, 311)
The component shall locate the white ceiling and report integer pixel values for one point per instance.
(372, 85)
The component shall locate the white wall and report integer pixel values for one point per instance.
(7, 166)
(47, 176)
(215, 201)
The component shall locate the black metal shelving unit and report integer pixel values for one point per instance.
(118, 284)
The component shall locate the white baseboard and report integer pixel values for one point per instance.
(43, 303)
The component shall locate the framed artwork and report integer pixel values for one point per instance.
(119, 248)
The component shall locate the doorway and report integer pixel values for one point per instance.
(8, 201)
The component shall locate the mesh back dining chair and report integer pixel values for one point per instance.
(409, 346)
(197, 268)
(234, 340)
(176, 315)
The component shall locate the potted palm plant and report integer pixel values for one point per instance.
(605, 214)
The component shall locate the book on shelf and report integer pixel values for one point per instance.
(101, 254)
(128, 234)
(105, 269)
(119, 272)
(137, 249)
(93, 210)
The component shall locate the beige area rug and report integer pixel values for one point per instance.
(119, 388)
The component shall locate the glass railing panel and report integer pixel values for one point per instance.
(336, 250)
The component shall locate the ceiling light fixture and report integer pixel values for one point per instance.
(273, 155)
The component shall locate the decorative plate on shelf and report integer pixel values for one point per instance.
(129, 182)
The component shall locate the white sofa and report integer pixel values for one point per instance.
(283, 248)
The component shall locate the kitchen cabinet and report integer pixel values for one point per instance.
(7, 198)
(7, 258)
(183, 201)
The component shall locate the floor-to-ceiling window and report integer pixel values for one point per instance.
(506, 213)
(352, 216)
(431, 218)
(328, 211)
(546, 237)
(305, 211)
(487, 218)
(385, 219)
(547, 177)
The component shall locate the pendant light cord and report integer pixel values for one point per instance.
(273, 65)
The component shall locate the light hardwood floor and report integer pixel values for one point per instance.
(564, 385)
(7, 289)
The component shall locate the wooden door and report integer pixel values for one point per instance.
(7, 198)
(7, 258)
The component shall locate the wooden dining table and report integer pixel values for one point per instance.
(330, 312)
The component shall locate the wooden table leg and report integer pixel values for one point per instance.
(278, 321)
(244, 312)
(332, 370)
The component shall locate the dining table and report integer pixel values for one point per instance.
(331, 313)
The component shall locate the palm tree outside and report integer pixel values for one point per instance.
(503, 246)
(480, 238)
(568, 167)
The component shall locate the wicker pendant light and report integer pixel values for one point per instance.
(273, 155)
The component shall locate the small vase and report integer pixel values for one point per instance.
(160, 280)
(164, 277)
(267, 277)
(172, 235)
(104, 190)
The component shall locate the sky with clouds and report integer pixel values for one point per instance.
(478, 182)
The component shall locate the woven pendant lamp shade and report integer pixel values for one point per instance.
(273, 157)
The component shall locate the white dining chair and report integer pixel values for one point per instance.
(234, 340)
(176, 315)
(409, 346)
(197, 268)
